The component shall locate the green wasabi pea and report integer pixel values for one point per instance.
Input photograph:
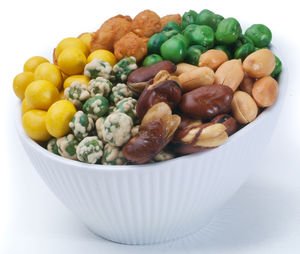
(117, 129)
(52, 146)
(260, 34)
(188, 18)
(155, 42)
(119, 92)
(278, 67)
(228, 31)
(67, 146)
(90, 150)
(98, 68)
(207, 17)
(99, 127)
(81, 125)
(96, 107)
(200, 35)
(123, 68)
(77, 93)
(171, 28)
(100, 86)
(112, 155)
(128, 107)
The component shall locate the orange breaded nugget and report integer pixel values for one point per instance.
(110, 32)
(146, 23)
(172, 17)
(131, 45)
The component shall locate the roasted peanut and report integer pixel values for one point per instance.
(247, 84)
(201, 76)
(213, 58)
(260, 63)
(244, 108)
(199, 137)
(265, 91)
(206, 102)
(184, 67)
(139, 78)
(230, 74)
(229, 122)
(167, 91)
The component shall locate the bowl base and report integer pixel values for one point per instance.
(149, 241)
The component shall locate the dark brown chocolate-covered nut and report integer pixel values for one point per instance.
(149, 141)
(156, 131)
(139, 78)
(167, 91)
(230, 123)
(198, 137)
(206, 102)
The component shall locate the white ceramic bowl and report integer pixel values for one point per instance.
(156, 202)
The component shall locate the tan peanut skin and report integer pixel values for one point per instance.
(212, 58)
(265, 91)
(184, 67)
(260, 63)
(244, 108)
(247, 84)
(230, 74)
(201, 76)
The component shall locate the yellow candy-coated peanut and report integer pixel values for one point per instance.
(104, 55)
(58, 118)
(71, 42)
(25, 107)
(86, 39)
(35, 126)
(50, 72)
(71, 61)
(20, 83)
(79, 78)
(33, 62)
(41, 94)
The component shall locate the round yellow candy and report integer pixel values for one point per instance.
(104, 55)
(71, 42)
(25, 107)
(71, 61)
(58, 117)
(34, 125)
(41, 94)
(33, 62)
(50, 72)
(79, 78)
(20, 83)
(86, 39)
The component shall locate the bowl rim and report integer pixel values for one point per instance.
(276, 107)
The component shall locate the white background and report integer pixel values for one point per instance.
(264, 215)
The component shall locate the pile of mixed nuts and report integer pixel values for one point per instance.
(186, 109)
(149, 88)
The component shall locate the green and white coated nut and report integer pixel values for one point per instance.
(117, 129)
(100, 86)
(77, 93)
(81, 125)
(135, 130)
(90, 150)
(98, 68)
(52, 146)
(164, 156)
(99, 127)
(112, 155)
(96, 107)
(119, 92)
(67, 146)
(128, 107)
(124, 67)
